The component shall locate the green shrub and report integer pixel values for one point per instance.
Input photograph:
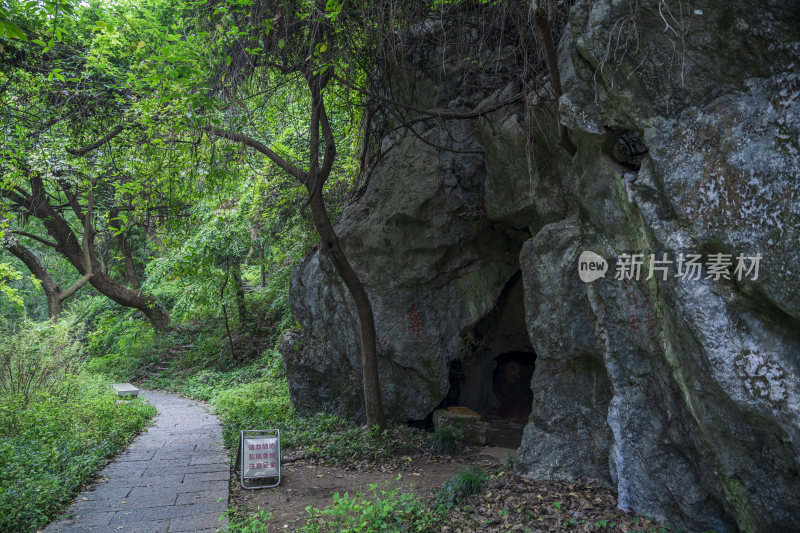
(466, 483)
(58, 425)
(120, 346)
(255, 523)
(254, 397)
(447, 440)
(387, 510)
(41, 358)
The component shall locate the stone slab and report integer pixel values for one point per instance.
(125, 389)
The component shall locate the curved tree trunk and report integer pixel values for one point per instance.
(145, 303)
(49, 286)
(314, 180)
(332, 248)
(317, 176)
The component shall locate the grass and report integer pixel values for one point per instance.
(380, 509)
(58, 423)
(50, 447)
(465, 483)
(385, 509)
(447, 440)
(245, 394)
(389, 509)
(52, 441)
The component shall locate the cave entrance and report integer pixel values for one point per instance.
(493, 375)
(512, 385)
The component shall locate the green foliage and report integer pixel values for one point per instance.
(119, 345)
(49, 447)
(447, 440)
(57, 424)
(327, 437)
(389, 509)
(255, 523)
(42, 358)
(14, 14)
(334, 439)
(28, 290)
(203, 261)
(466, 483)
(195, 209)
(255, 396)
(7, 274)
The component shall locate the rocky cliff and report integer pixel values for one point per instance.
(675, 377)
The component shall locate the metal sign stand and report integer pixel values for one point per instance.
(259, 456)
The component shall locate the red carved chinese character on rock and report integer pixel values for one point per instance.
(415, 322)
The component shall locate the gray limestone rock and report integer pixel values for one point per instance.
(432, 264)
(683, 394)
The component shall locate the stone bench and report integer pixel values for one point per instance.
(125, 389)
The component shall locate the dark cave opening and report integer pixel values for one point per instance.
(499, 387)
(512, 385)
(492, 376)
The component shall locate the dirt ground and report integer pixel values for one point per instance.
(305, 483)
(507, 503)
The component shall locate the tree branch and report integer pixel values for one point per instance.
(314, 182)
(22, 201)
(447, 114)
(35, 238)
(71, 199)
(319, 117)
(330, 141)
(264, 149)
(85, 245)
(80, 152)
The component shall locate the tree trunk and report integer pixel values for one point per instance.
(317, 176)
(54, 306)
(49, 286)
(133, 281)
(241, 305)
(225, 316)
(544, 30)
(331, 247)
(263, 255)
(55, 296)
(147, 304)
(314, 181)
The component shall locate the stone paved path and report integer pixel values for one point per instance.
(168, 480)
